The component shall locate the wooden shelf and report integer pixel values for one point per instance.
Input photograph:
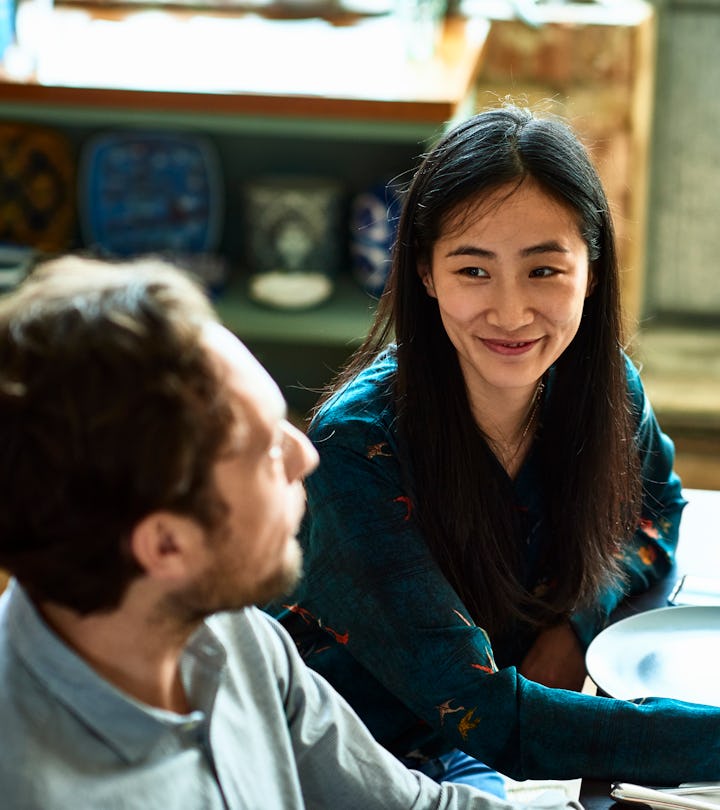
(310, 95)
(215, 64)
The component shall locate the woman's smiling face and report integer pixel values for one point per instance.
(510, 272)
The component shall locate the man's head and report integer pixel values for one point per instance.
(131, 430)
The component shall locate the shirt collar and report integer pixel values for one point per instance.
(128, 726)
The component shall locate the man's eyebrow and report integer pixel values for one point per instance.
(277, 413)
(281, 411)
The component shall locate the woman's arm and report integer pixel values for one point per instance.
(556, 659)
(648, 555)
(372, 585)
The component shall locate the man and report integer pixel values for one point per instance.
(152, 488)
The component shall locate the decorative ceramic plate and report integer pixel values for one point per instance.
(669, 652)
(149, 192)
(37, 187)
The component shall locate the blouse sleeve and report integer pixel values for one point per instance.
(372, 584)
(649, 554)
(328, 738)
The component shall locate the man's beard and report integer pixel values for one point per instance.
(285, 579)
(215, 590)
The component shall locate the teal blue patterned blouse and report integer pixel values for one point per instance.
(375, 616)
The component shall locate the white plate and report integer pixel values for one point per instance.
(669, 652)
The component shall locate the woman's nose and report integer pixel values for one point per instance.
(509, 308)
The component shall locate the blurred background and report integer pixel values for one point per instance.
(260, 144)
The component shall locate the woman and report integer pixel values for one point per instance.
(494, 481)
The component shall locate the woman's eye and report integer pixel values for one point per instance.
(474, 272)
(542, 272)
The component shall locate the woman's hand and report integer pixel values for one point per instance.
(556, 659)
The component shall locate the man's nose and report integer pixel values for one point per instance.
(301, 457)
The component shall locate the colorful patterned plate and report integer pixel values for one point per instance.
(147, 192)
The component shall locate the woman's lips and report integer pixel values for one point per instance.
(509, 347)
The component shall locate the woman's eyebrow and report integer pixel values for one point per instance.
(544, 247)
(551, 246)
(471, 250)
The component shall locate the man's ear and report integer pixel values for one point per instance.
(167, 545)
(426, 278)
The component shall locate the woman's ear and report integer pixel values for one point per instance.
(167, 545)
(426, 278)
(591, 282)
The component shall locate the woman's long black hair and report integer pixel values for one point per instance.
(590, 477)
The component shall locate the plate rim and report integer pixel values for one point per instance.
(647, 621)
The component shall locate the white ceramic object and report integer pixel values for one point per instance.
(669, 652)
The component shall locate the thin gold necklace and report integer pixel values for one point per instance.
(528, 423)
(537, 396)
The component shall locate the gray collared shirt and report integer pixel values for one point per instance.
(266, 731)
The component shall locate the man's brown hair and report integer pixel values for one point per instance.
(110, 409)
